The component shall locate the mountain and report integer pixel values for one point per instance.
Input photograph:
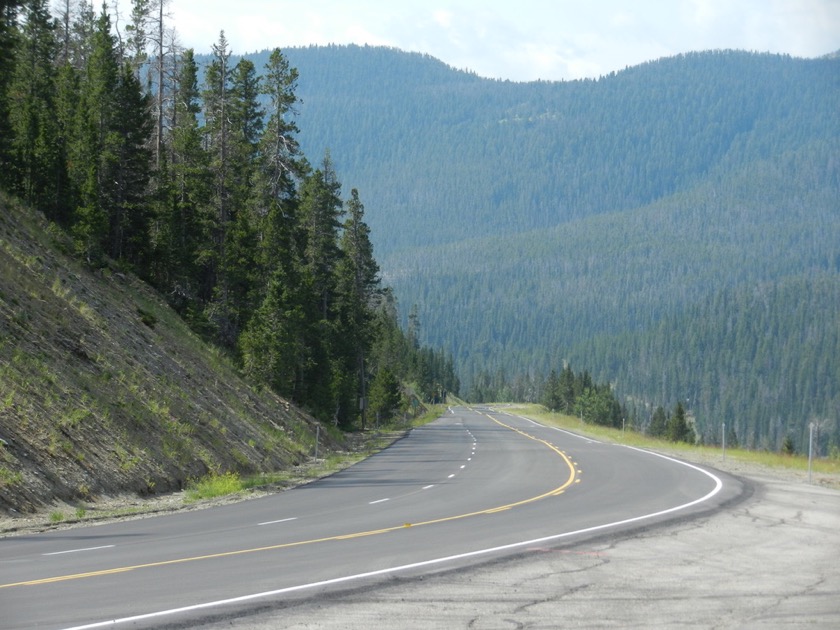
(626, 224)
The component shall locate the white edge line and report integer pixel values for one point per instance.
(58, 553)
(585, 439)
(424, 563)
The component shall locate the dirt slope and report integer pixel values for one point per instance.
(104, 390)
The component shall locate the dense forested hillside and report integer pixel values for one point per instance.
(626, 224)
(188, 183)
(672, 229)
(427, 143)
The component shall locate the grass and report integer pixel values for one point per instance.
(829, 466)
(213, 485)
(224, 484)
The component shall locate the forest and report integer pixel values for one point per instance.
(673, 228)
(193, 179)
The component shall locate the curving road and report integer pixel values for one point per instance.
(473, 485)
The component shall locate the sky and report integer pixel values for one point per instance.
(519, 40)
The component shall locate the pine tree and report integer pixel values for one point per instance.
(567, 390)
(218, 140)
(95, 144)
(8, 42)
(38, 164)
(357, 287)
(109, 156)
(129, 206)
(186, 250)
(320, 213)
(384, 394)
(551, 392)
(279, 148)
(239, 281)
(659, 423)
(678, 429)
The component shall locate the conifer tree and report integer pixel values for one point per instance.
(8, 41)
(218, 139)
(185, 249)
(357, 286)
(567, 389)
(678, 428)
(551, 392)
(319, 213)
(659, 423)
(384, 394)
(95, 144)
(38, 164)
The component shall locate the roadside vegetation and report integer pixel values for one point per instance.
(788, 461)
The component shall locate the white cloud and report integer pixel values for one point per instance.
(522, 40)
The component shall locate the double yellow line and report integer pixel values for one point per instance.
(556, 491)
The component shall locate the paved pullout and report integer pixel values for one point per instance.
(770, 561)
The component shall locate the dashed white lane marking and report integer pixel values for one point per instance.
(282, 520)
(429, 486)
(378, 501)
(58, 553)
(450, 476)
(464, 466)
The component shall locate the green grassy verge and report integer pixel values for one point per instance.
(829, 466)
(217, 485)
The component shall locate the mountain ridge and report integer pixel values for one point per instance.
(662, 186)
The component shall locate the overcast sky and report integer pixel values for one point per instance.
(521, 40)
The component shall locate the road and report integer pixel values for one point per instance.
(474, 486)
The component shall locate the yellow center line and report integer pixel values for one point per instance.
(225, 554)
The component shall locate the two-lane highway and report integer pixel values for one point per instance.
(474, 483)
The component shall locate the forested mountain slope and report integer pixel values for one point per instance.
(626, 224)
(426, 143)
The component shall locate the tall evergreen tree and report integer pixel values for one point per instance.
(8, 41)
(551, 392)
(279, 148)
(239, 275)
(659, 423)
(319, 212)
(38, 164)
(384, 394)
(275, 346)
(678, 428)
(218, 141)
(130, 216)
(185, 249)
(567, 389)
(95, 144)
(357, 287)
(110, 156)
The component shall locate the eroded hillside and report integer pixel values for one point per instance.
(104, 390)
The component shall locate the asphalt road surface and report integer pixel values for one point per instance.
(476, 486)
